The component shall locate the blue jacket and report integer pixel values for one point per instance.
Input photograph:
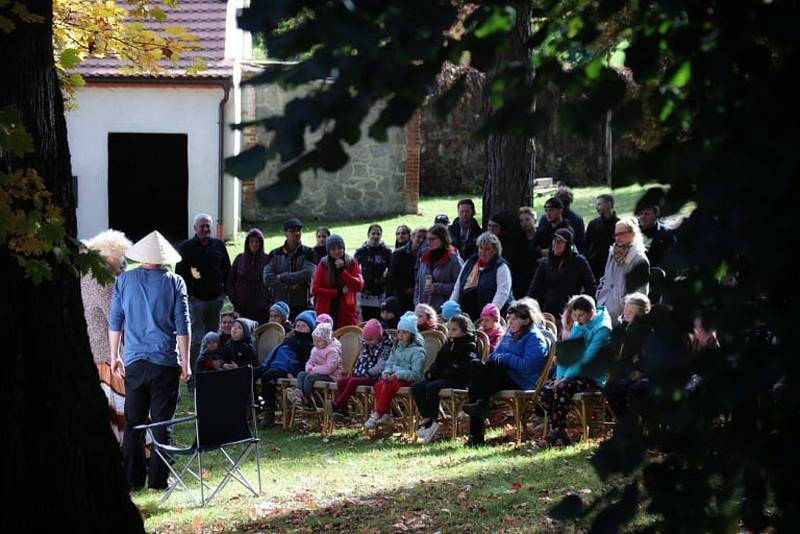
(524, 357)
(290, 356)
(597, 335)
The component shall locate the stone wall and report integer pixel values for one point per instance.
(375, 182)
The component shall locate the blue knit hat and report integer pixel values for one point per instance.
(450, 309)
(334, 241)
(408, 322)
(282, 308)
(309, 317)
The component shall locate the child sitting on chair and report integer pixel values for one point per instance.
(324, 363)
(279, 313)
(239, 351)
(490, 325)
(426, 318)
(403, 368)
(376, 344)
(391, 310)
(286, 359)
(210, 358)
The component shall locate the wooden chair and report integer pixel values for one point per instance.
(549, 317)
(483, 345)
(268, 336)
(350, 338)
(451, 400)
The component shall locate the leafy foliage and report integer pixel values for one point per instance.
(713, 87)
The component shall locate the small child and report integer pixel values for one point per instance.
(490, 325)
(450, 370)
(324, 363)
(376, 344)
(403, 368)
(426, 317)
(450, 308)
(279, 313)
(286, 359)
(210, 358)
(239, 351)
(391, 310)
(325, 318)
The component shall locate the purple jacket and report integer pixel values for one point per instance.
(245, 287)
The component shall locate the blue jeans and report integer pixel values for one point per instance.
(205, 318)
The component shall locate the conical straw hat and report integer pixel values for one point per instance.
(153, 248)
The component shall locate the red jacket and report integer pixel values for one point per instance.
(324, 292)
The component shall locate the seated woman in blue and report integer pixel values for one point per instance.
(593, 324)
(516, 364)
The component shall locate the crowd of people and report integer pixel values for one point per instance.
(504, 281)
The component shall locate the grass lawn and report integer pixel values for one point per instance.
(354, 483)
(354, 232)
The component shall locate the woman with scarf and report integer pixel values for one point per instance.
(484, 279)
(627, 269)
(438, 269)
(335, 284)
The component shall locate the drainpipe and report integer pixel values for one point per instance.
(220, 204)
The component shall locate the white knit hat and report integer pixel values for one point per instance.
(153, 248)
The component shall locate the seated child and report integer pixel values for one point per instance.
(325, 318)
(490, 325)
(375, 347)
(403, 368)
(324, 363)
(426, 317)
(450, 308)
(450, 370)
(239, 350)
(210, 358)
(593, 324)
(391, 310)
(279, 313)
(286, 359)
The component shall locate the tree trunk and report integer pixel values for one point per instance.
(509, 158)
(61, 464)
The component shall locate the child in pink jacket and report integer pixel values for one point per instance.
(324, 363)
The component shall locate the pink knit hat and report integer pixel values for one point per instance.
(325, 318)
(491, 310)
(373, 329)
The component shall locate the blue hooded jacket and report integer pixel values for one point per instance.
(291, 355)
(524, 357)
(597, 334)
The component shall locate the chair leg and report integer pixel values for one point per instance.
(517, 422)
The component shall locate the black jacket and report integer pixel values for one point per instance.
(403, 273)
(204, 268)
(544, 234)
(240, 352)
(599, 238)
(470, 246)
(453, 360)
(578, 228)
(528, 255)
(557, 279)
(659, 240)
(374, 261)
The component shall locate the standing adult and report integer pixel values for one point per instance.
(485, 278)
(438, 269)
(403, 269)
(374, 258)
(564, 194)
(152, 303)
(112, 246)
(465, 230)
(337, 280)
(322, 234)
(204, 267)
(245, 288)
(600, 234)
(658, 237)
(528, 253)
(402, 235)
(563, 273)
(289, 269)
(507, 230)
(627, 269)
(552, 220)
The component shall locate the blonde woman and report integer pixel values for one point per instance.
(627, 269)
(112, 245)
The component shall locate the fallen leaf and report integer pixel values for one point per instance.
(516, 486)
(197, 523)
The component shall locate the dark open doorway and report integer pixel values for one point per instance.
(148, 184)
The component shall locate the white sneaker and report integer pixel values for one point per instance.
(430, 432)
(385, 419)
(372, 421)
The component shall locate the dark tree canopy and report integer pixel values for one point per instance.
(707, 92)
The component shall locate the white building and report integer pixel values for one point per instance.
(148, 151)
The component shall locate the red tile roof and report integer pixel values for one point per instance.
(204, 19)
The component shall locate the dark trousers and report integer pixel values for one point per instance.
(205, 318)
(486, 379)
(621, 392)
(426, 395)
(370, 312)
(268, 377)
(149, 389)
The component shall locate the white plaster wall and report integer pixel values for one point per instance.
(187, 110)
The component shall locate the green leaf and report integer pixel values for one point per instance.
(666, 110)
(595, 67)
(13, 136)
(682, 75)
(501, 20)
(70, 58)
(6, 24)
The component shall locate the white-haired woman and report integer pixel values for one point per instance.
(112, 245)
(627, 269)
(485, 278)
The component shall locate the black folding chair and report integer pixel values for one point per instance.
(224, 418)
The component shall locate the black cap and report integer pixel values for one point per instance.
(292, 223)
(441, 219)
(554, 203)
